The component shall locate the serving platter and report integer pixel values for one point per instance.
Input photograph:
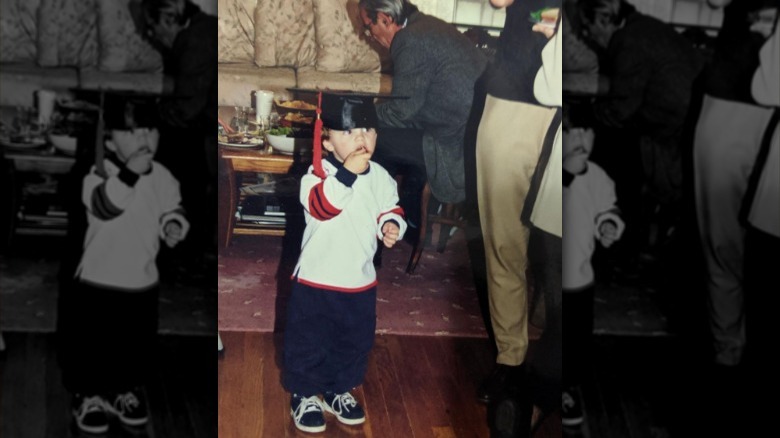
(32, 144)
(254, 143)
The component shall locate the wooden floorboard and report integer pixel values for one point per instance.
(182, 391)
(415, 387)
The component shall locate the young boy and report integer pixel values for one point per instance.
(590, 214)
(349, 202)
(110, 320)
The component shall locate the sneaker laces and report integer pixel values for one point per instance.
(307, 404)
(345, 401)
(568, 400)
(127, 400)
(90, 404)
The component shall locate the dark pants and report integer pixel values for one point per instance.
(327, 339)
(545, 355)
(106, 338)
(399, 150)
(578, 329)
(761, 284)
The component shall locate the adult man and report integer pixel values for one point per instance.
(509, 141)
(435, 67)
(651, 70)
(727, 141)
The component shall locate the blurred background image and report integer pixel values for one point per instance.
(80, 81)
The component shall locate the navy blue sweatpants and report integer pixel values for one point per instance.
(327, 339)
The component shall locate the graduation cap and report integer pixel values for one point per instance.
(342, 111)
(111, 114)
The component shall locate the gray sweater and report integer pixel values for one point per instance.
(436, 67)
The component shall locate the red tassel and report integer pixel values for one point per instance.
(317, 159)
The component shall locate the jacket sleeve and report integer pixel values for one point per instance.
(412, 77)
(325, 198)
(628, 81)
(766, 82)
(107, 197)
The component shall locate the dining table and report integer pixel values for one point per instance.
(238, 160)
(31, 170)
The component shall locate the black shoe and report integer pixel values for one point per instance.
(512, 417)
(344, 407)
(502, 379)
(130, 407)
(307, 413)
(571, 408)
(90, 413)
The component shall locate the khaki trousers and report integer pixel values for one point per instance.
(509, 141)
(728, 136)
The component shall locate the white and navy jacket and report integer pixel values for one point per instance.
(126, 213)
(344, 215)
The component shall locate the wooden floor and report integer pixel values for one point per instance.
(415, 387)
(182, 393)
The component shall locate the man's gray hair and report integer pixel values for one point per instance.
(398, 10)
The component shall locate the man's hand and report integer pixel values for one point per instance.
(547, 25)
(357, 162)
(390, 233)
(173, 233)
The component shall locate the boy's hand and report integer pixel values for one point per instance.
(357, 161)
(140, 161)
(390, 233)
(173, 233)
(609, 233)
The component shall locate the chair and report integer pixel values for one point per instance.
(449, 215)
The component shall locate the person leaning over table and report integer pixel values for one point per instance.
(651, 70)
(187, 38)
(509, 140)
(435, 67)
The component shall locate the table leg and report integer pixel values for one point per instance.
(228, 202)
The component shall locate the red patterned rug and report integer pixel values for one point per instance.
(439, 299)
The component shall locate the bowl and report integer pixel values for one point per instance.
(295, 112)
(288, 145)
(64, 143)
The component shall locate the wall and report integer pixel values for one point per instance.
(687, 12)
(208, 6)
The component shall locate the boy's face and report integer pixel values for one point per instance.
(344, 143)
(126, 143)
(577, 146)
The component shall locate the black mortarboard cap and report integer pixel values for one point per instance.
(341, 110)
(348, 111)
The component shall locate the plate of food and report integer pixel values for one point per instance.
(240, 140)
(22, 142)
(295, 112)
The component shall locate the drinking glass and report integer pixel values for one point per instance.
(240, 119)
